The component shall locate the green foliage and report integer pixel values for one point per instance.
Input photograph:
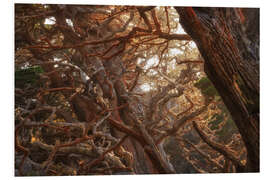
(206, 87)
(27, 76)
(227, 129)
(37, 25)
(48, 26)
(216, 120)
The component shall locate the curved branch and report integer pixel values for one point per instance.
(181, 122)
(227, 152)
(209, 159)
(91, 164)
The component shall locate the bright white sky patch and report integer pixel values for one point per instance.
(175, 51)
(50, 21)
(140, 60)
(172, 64)
(192, 44)
(57, 59)
(145, 87)
(69, 22)
(180, 30)
(153, 72)
(151, 62)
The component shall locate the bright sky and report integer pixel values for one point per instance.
(150, 62)
(145, 87)
(69, 22)
(50, 21)
(180, 30)
(175, 51)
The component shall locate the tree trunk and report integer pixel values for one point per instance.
(228, 40)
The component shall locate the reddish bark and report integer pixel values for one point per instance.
(229, 46)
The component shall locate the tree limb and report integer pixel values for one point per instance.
(227, 152)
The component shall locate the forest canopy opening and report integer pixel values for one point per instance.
(118, 90)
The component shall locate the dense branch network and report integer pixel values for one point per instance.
(81, 107)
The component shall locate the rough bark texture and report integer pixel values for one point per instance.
(84, 110)
(228, 39)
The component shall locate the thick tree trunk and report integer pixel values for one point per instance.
(228, 40)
